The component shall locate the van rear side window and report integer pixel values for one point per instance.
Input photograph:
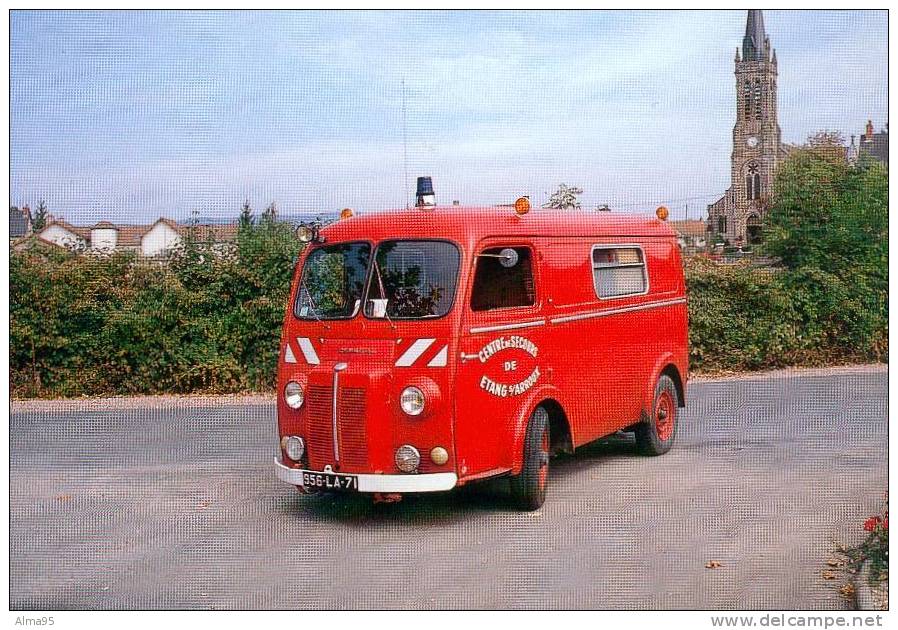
(503, 279)
(618, 271)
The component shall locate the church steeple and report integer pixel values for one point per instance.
(739, 214)
(755, 44)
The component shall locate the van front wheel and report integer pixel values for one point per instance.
(655, 434)
(529, 488)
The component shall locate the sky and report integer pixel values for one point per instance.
(128, 116)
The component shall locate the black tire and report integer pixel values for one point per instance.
(656, 434)
(529, 488)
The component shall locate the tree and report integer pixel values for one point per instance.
(829, 145)
(270, 214)
(564, 198)
(246, 215)
(826, 213)
(40, 217)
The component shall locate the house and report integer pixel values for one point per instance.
(153, 239)
(691, 234)
(58, 232)
(875, 144)
(19, 222)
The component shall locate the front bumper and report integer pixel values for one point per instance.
(430, 482)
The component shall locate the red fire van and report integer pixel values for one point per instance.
(428, 348)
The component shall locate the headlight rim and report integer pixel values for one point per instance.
(415, 457)
(295, 441)
(421, 394)
(300, 393)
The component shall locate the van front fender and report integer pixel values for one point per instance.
(519, 429)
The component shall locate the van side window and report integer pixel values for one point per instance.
(503, 279)
(618, 271)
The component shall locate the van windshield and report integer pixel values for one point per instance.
(332, 281)
(412, 280)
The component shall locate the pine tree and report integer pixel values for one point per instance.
(270, 213)
(40, 217)
(246, 215)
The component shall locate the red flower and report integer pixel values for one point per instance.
(885, 523)
(871, 523)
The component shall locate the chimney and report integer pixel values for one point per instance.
(424, 197)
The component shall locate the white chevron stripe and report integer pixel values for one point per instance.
(441, 359)
(416, 350)
(288, 355)
(308, 350)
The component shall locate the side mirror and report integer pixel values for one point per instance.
(508, 257)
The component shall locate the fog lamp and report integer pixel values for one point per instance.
(407, 458)
(294, 446)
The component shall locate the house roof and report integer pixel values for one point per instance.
(691, 228)
(876, 145)
(131, 235)
(19, 222)
(83, 232)
(209, 233)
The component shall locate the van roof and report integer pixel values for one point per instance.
(471, 224)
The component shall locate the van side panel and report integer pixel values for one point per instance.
(602, 353)
(597, 356)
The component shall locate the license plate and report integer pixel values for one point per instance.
(329, 481)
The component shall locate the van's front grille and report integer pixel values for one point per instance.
(351, 431)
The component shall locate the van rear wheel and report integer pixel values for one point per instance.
(529, 487)
(655, 435)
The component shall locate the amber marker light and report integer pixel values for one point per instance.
(439, 455)
(522, 205)
(662, 213)
(345, 213)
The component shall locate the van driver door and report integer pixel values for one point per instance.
(499, 354)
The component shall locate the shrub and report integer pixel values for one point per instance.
(742, 318)
(207, 319)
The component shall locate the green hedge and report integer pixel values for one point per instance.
(742, 318)
(207, 319)
(210, 322)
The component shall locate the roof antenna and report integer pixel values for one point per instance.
(404, 144)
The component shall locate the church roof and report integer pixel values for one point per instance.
(755, 39)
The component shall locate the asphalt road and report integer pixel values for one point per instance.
(177, 506)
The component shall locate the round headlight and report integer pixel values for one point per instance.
(293, 395)
(305, 233)
(294, 446)
(407, 458)
(412, 401)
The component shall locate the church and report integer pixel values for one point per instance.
(738, 216)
